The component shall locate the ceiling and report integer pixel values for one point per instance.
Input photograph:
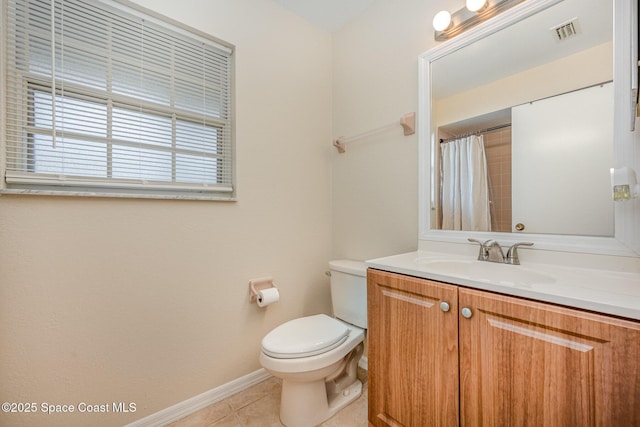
(330, 15)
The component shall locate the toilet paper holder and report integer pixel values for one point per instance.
(257, 285)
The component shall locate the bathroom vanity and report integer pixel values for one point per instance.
(448, 350)
(554, 341)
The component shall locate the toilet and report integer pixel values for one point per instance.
(317, 356)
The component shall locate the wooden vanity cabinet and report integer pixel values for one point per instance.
(512, 362)
(413, 351)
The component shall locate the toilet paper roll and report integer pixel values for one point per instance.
(268, 296)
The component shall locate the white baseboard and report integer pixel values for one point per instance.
(189, 406)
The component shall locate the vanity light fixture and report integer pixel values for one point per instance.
(447, 25)
(442, 21)
(476, 5)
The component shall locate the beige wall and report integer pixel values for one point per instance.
(146, 301)
(375, 75)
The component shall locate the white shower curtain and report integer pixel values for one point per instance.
(465, 185)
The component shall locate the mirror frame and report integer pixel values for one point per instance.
(624, 242)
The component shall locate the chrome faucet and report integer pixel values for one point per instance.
(483, 255)
(512, 253)
(492, 252)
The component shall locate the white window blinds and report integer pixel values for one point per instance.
(103, 99)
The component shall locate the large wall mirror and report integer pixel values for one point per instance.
(521, 123)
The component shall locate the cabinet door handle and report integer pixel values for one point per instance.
(466, 312)
(444, 306)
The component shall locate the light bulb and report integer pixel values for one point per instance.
(475, 5)
(442, 20)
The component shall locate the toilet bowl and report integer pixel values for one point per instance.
(317, 356)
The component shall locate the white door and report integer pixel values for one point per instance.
(563, 149)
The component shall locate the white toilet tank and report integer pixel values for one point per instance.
(349, 291)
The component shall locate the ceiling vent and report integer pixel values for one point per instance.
(566, 30)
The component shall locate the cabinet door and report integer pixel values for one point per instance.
(413, 351)
(524, 363)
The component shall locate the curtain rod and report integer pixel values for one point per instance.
(475, 132)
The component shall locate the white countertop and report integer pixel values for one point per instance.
(603, 291)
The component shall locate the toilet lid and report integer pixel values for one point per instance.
(303, 337)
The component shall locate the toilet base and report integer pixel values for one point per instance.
(314, 388)
(306, 404)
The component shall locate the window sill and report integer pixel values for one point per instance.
(119, 195)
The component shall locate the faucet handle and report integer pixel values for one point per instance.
(484, 252)
(512, 253)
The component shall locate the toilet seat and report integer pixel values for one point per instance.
(304, 337)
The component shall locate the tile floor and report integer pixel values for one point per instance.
(259, 406)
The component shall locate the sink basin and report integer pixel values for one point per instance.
(491, 272)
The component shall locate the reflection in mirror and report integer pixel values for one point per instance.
(523, 121)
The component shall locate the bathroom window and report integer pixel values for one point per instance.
(103, 99)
